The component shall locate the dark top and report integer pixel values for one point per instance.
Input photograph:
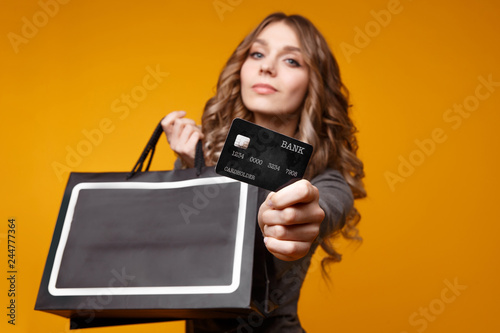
(286, 277)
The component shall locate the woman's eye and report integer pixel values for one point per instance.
(256, 55)
(293, 62)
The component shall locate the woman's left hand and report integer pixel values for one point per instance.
(290, 220)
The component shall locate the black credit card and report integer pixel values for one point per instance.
(262, 157)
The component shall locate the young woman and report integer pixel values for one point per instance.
(283, 76)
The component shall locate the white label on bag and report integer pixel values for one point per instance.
(121, 276)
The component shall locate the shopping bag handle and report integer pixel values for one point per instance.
(149, 150)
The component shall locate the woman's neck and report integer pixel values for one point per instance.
(285, 124)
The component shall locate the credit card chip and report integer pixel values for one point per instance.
(242, 141)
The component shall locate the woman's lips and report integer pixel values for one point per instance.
(264, 89)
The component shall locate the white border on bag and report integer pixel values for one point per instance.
(177, 290)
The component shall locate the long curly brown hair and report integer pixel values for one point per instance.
(324, 120)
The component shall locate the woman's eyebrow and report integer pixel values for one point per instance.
(292, 49)
(287, 48)
(261, 41)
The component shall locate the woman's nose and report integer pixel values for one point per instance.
(268, 67)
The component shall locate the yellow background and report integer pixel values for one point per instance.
(440, 225)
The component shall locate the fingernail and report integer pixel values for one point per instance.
(268, 199)
(265, 240)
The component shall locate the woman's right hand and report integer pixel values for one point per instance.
(182, 135)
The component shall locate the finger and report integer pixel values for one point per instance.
(184, 132)
(193, 139)
(297, 214)
(301, 191)
(184, 121)
(187, 144)
(182, 124)
(187, 125)
(287, 250)
(170, 118)
(301, 232)
(179, 128)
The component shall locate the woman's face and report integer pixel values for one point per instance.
(274, 77)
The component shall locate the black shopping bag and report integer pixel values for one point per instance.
(151, 246)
